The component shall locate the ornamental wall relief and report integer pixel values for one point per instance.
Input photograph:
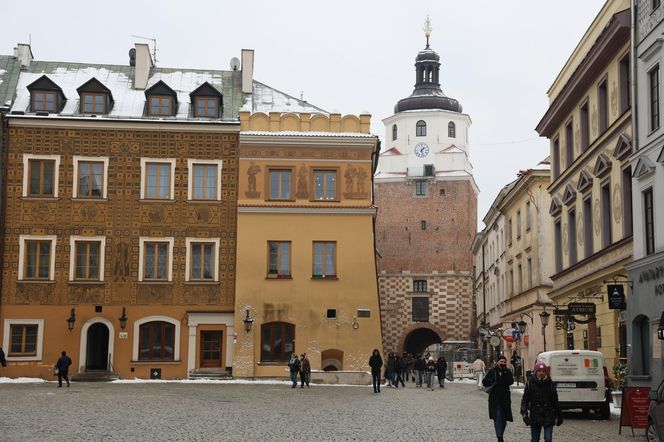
(355, 183)
(580, 232)
(596, 217)
(82, 294)
(593, 119)
(39, 211)
(121, 266)
(35, 294)
(565, 239)
(302, 183)
(617, 203)
(252, 171)
(614, 98)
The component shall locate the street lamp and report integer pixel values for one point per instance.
(544, 316)
(123, 319)
(522, 326)
(71, 320)
(248, 322)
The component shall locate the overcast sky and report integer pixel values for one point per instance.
(498, 57)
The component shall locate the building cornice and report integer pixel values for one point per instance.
(332, 140)
(307, 210)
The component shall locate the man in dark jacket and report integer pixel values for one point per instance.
(420, 367)
(305, 370)
(376, 363)
(539, 406)
(499, 379)
(441, 371)
(401, 364)
(63, 368)
(294, 366)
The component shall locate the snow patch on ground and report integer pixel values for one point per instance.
(22, 381)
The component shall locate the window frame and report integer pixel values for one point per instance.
(584, 126)
(529, 218)
(155, 318)
(268, 183)
(314, 171)
(569, 143)
(43, 93)
(77, 159)
(653, 98)
(624, 79)
(142, 257)
(278, 274)
(648, 220)
(207, 99)
(73, 240)
(419, 284)
(23, 240)
(163, 341)
(451, 130)
(421, 128)
(162, 98)
(420, 187)
(27, 158)
(602, 105)
(572, 236)
(189, 256)
(558, 245)
(191, 165)
(145, 162)
(334, 260)
(287, 331)
(8, 323)
(606, 214)
(418, 317)
(95, 96)
(395, 132)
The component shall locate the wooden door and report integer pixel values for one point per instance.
(211, 347)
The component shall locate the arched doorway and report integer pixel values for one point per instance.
(419, 339)
(96, 356)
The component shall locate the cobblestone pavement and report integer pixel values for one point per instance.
(235, 412)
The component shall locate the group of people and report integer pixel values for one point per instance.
(539, 406)
(399, 369)
(300, 366)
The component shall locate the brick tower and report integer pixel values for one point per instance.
(427, 209)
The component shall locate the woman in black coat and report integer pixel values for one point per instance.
(539, 406)
(499, 378)
(441, 370)
(375, 362)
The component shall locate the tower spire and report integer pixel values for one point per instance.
(427, 29)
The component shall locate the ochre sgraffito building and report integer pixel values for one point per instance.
(306, 263)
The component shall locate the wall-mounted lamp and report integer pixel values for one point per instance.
(355, 324)
(248, 322)
(71, 320)
(123, 319)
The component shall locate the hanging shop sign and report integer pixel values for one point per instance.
(616, 296)
(581, 308)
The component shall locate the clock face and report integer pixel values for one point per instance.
(422, 150)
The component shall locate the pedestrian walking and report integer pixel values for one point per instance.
(402, 365)
(539, 405)
(516, 362)
(305, 370)
(294, 366)
(62, 368)
(478, 369)
(441, 370)
(389, 370)
(431, 372)
(497, 381)
(375, 362)
(411, 367)
(420, 368)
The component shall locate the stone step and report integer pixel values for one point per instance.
(95, 376)
(218, 376)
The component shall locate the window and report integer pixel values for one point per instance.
(206, 107)
(627, 201)
(512, 287)
(157, 178)
(602, 105)
(36, 257)
(156, 256)
(90, 177)
(555, 158)
(518, 224)
(509, 231)
(204, 180)
(325, 260)
(421, 129)
(88, 258)
(325, 185)
(331, 313)
(585, 127)
(606, 214)
(529, 220)
(420, 188)
(624, 84)
(279, 259)
(93, 103)
(420, 285)
(588, 237)
(202, 259)
(22, 340)
(161, 105)
(156, 341)
(451, 129)
(571, 225)
(44, 101)
(394, 132)
(40, 176)
(420, 305)
(280, 184)
(598, 338)
(530, 273)
(569, 144)
(520, 277)
(558, 242)
(423, 225)
(649, 219)
(277, 341)
(653, 86)
(429, 170)
(640, 363)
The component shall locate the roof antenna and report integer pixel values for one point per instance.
(301, 95)
(427, 29)
(154, 46)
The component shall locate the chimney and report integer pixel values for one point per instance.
(143, 65)
(23, 52)
(247, 71)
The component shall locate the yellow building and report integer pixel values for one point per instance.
(306, 271)
(589, 126)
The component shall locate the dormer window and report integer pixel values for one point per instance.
(95, 97)
(162, 100)
(206, 101)
(44, 101)
(45, 96)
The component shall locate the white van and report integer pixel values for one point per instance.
(581, 378)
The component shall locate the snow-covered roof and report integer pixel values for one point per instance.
(288, 133)
(266, 99)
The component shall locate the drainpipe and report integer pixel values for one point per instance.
(633, 85)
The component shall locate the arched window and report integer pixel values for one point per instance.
(156, 341)
(421, 129)
(641, 346)
(277, 341)
(451, 130)
(394, 132)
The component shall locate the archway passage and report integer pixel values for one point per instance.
(97, 348)
(419, 339)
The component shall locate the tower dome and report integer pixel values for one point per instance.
(427, 93)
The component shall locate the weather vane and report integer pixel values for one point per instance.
(427, 29)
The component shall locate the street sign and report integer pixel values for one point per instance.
(616, 296)
(581, 308)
